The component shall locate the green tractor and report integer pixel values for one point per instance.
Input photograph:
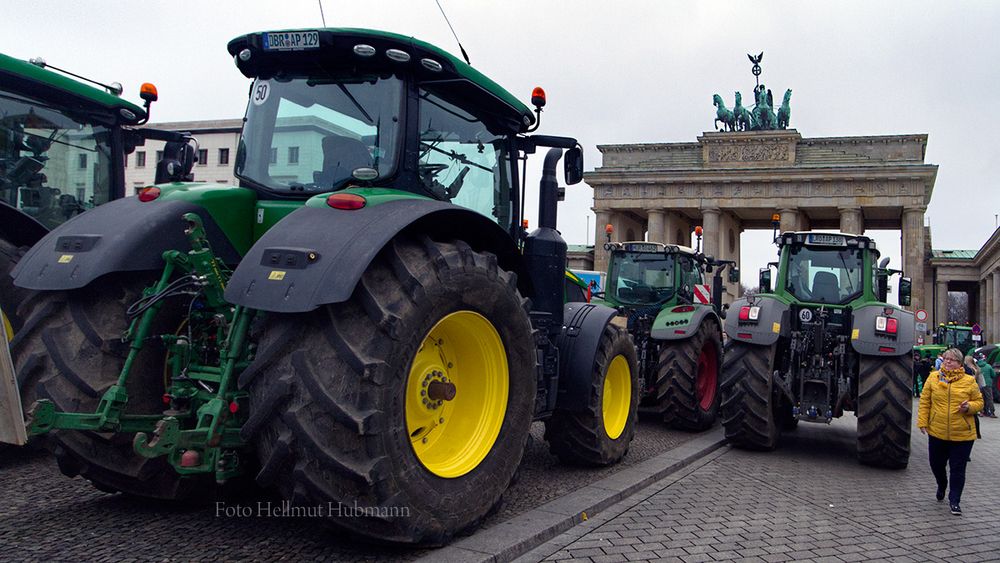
(365, 327)
(822, 341)
(62, 150)
(676, 323)
(948, 336)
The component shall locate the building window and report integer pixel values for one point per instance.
(223, 156)
(293, 155)
(81, 194)
(159, 156)
(82, 162)
(202, 157)
(274, 155)
(140, 159)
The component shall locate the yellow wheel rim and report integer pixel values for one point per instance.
(462, 353)
(7, 328)
(617, 397)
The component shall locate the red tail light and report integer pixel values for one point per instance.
(749, 313)
(888, 325)
(149, 194)
(346, 201)
(682, 309)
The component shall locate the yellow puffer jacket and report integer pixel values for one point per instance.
(943, 393)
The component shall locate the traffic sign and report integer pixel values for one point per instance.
(921, 315)
(921, 327)
(920, 341)
(976, 329)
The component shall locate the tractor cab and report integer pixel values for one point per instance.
(61, 146)
(831, 269)
(383, 113)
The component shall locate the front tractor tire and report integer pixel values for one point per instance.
(601, 433)
(687, 379)
(748, 404)
(885, 411)
(70, 351)
(402, 413)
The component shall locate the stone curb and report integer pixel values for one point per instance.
(522, 533)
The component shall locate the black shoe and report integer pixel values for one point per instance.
(956, 510)
(940, 494)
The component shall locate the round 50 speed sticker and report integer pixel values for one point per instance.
(261, 91)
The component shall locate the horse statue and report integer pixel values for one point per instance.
(742, 115)
(723, 114)
(785, 111)
(763, 116)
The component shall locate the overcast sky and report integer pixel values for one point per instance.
(614, 71)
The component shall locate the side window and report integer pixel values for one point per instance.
(461, 160)
(689, 273)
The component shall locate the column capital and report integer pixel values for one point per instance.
(659, 210)
(915, 209)
(711, 210)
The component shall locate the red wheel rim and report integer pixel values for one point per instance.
(708, 372)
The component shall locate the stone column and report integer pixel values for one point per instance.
(913, 254)
(671, 222)
(993, 312)
(982, 311)
(851, 221)
(710, 231)
(989, 301)
(601, 255)
(941, 305)
(654, 225)
(789, 220)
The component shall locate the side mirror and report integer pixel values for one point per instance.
(764, 283)
(734, 274)
(708, 268)
(905, 289)
(573, 166)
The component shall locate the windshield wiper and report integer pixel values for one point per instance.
(355, 102)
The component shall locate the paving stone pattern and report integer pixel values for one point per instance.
(808, 501)
(46, 516)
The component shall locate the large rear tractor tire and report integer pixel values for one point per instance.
(688, 379)
(747, 400)
(601, 434)
(11, 296)
(885, 411)
(401, 414)
(70, 351)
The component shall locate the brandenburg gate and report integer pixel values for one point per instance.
(735, 180)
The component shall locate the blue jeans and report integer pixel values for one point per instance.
(949, 453)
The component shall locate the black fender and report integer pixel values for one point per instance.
(124, 235)
(583, 325)
(866, 341)
(18, 228)
(316, 255)
(771, 324)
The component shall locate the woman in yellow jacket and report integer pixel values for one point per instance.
(948, 407)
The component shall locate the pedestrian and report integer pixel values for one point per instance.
(937, 362)
(989, 378)
(921, 369)
(948, 405)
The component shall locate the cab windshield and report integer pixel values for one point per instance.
(315, 134)
(53, 164)
(824, 275)
(961, 339)
(641, 277)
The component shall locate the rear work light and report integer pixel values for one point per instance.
(749, 313)
(346, 201)
(149, 194)
(888, 325)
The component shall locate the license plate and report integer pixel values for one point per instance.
(642, 247)
(12, 429)
(828, 240)
(291, 40)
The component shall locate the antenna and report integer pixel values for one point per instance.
(460, 48)
(321, 16)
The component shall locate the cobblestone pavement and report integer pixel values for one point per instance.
(46, 516)
(807, 501)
